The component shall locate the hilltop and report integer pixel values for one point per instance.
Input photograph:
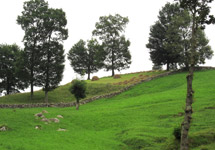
(102, 86)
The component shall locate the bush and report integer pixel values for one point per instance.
(95, 78)
(117, 76)
(78, 88)
(177, 133)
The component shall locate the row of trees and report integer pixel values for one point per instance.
(41, 63)
(170, 39)
(113, 52)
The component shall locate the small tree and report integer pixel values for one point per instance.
(78, 88)
(109, 30)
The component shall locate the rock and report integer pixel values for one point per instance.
(45, 112)
(59, 116)
(55, 120)
(45, 120)
(40, 115)
(61, 129)
(3, 128)
(38, 127)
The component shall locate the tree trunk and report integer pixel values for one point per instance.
(8, 87)
(167, 66)
(184, 145)
(186, 66)
(112, 64)
(188, 111)
(32, 90)
(88, 78)
(46, 96)
(77, 105)
(113, 72)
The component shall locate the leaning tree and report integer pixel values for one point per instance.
(109, 30)
(200, 12)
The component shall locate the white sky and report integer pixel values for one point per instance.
(82, 16)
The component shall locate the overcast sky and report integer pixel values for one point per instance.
(82, 16)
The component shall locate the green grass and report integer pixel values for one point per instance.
(94, 88)
(142, 118)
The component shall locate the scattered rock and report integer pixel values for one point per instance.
(40, 115)
(59, 116)
(61, 129)
(55, 120)
(45, 120)
(38, 127)
(3, 128)
(45, 112)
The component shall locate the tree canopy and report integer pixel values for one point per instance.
(170, 39)
(109, 30)
(78, 88)
(13, 75)
(86, 58)
(45, 30)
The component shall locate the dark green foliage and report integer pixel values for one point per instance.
(161, 53)
(86, 60)
(12, 74)
(55, 32)
(177, 133)
(170, 39)
(78, 88)
(109, 30)
(44, 32)
(31, 22)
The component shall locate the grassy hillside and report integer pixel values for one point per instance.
(94, 88)
(141, 118)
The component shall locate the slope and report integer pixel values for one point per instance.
(141, 118)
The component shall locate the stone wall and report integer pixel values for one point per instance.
(82, 102)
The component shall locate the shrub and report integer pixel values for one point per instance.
(117, 76)
(177, 133)
(78, 88)
(95, 78)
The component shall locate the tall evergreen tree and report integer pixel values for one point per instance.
(179, 32)
(31, 22)
(200, 12)
(86, 59)
(109, 30)
(54, 32)
(161, 52)
(11, 62)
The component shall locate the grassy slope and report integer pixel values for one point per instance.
(62, 94)
(141, 118)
